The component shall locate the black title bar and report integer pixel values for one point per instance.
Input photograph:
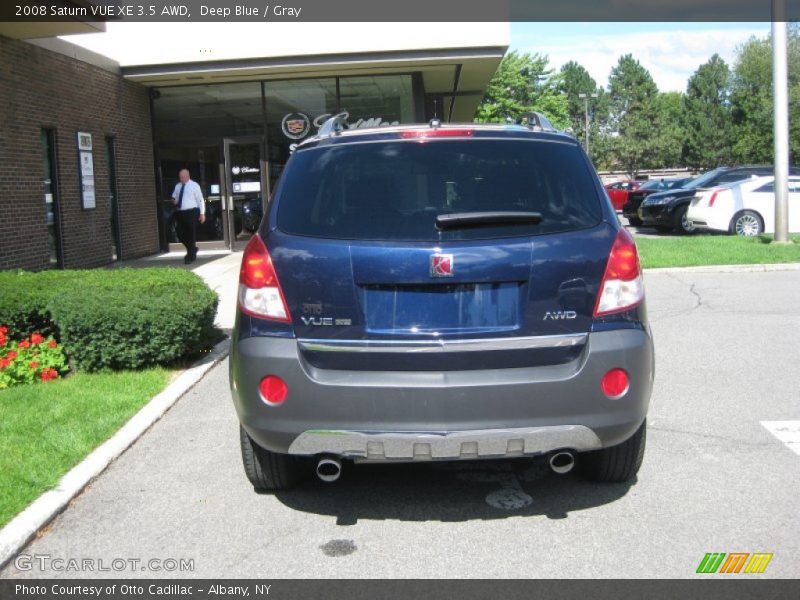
(710, 588)
(393, 10)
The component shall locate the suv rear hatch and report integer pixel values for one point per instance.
(439, 253)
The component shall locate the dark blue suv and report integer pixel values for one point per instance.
(440, 292)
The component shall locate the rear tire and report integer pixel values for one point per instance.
(617, 463)
(747, 223)
(270, 471)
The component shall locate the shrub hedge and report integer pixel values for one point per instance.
(113, 318)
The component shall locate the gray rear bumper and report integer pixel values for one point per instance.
(404, 416)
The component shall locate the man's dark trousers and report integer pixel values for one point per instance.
(186, 226)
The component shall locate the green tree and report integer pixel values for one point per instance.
(575, 80)
(633, 114)
(524, 83)
(630, 87)
(668, 133)
(752, 100)
(708, 140)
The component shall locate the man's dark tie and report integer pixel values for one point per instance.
(180, 197)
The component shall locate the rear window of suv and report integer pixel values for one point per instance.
(395, 190)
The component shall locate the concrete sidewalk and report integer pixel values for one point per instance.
(218, 268)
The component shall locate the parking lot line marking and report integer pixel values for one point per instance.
(786, 431)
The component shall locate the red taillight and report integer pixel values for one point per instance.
(615, 383)
(437, 132)
(273, 389)
(622, 287)
(713, 198)
(260, 292)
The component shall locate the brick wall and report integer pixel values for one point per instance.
(40, 88)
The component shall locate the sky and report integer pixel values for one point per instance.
(670, 51)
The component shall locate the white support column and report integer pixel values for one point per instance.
(781, 119)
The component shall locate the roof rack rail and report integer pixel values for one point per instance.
(536, 121)
(333, 126)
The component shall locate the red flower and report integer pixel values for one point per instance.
(48, 374)
(11, 355)
(2, 339)
(3, 329)
(4, 362)
(36, 338)
(24, 344)
(33, 364)
(52, 343)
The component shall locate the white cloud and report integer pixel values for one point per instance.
(670, 56)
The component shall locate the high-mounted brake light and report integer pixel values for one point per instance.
(437, 132)
(260, 292)
(622, 287)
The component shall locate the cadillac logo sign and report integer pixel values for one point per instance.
(441, 265)
(295, 125)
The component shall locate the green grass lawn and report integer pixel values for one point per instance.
(694, 250)
(48, 428)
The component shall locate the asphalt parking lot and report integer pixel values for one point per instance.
(714, 479)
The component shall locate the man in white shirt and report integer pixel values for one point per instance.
(189, 210)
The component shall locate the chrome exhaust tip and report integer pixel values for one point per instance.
(329, 469)
(562, 462)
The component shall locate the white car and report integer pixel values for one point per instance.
(743, 207)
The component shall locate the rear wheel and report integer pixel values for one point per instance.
(269, 471)
(617, 463)
(747, 223)
(682, 224)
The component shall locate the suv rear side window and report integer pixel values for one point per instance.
(395, 190)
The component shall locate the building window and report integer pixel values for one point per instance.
(375, 100)
(51, 203)
(295, 110)
(201, 112)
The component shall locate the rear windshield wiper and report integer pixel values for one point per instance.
(480, 219)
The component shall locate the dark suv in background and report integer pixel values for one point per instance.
(666, 211)
(440, 292)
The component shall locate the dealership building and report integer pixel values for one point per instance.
(97, 119)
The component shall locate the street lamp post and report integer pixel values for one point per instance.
(585, 98)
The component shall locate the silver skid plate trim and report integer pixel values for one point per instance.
(450, 445)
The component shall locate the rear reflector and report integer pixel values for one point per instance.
(273, 389)
(622, 287)
(436, 132)
(615, 383)
(260, 291)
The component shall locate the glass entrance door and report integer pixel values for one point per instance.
(246, 190)
(204, 161)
